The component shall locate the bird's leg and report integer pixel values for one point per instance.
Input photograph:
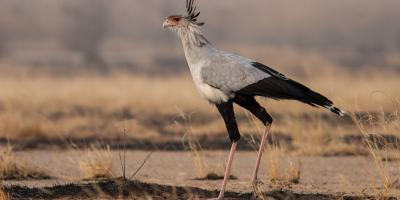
(226, 110)
(263, 144)
(227, 171)
(250, 104)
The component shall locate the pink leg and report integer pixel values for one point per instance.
(227, 171)
(260, 152)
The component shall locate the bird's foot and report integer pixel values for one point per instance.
(255, 185)
(218, 198)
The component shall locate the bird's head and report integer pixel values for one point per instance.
(176, 22)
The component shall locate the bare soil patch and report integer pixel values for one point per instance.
(172, 174)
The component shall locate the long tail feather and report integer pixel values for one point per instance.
(278, 88)
(336, 110)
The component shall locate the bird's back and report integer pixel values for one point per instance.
(229, 72)
(222, 71)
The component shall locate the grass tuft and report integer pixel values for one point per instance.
(381, 150)
(282, 168)
(192, 143)
(13, 168)
(374, 151)
(97, 164)
(4, 195)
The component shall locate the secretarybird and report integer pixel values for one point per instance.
(223, 79)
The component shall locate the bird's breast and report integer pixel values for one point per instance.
(212, 94)
(209, 93)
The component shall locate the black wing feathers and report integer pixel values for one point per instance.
(278, 86)
(268, 70)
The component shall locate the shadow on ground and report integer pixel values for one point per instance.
(217, 142)
(140, 190)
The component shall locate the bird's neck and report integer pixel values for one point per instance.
(194, 42)
(192, 37)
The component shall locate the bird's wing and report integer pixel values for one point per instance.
(230, 72)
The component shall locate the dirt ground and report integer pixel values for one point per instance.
(173, 173)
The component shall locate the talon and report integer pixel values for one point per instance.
(255, 184)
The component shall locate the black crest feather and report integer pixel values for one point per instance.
(192, 14)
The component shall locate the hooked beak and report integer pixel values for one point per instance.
(166, 24)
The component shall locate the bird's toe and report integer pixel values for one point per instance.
(218, 198)
(255, 185)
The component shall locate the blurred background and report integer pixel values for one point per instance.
(64, 36)
(103, 75)
(94, 68)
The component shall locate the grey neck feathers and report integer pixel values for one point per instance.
(192, 36)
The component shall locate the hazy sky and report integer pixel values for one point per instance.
(367, 26)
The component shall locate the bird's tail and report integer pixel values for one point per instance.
(306, 95)
(336, 110)
(278, 88)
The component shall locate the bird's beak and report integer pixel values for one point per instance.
(166, 24)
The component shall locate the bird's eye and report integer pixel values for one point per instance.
(177, 19)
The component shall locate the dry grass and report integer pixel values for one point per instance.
(4, 195)
(282, 168)
(13, 168)
(382, 150)
(94, 106)
(191, 142)
(97, 164)
(194, 146)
